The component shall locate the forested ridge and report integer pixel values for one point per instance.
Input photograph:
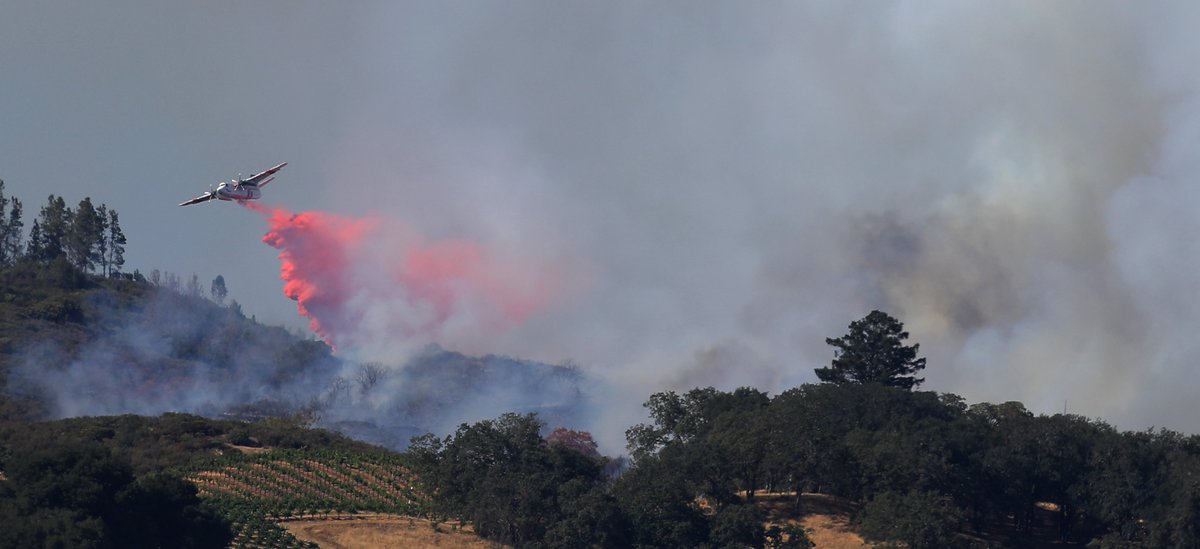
(922, 468)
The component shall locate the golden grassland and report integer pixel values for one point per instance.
(826, 518)
(379, 531)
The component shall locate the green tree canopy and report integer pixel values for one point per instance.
(873, 351)
(79, 494)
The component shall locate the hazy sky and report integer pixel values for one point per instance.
(723, 185)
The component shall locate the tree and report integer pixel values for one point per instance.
(34, 247)
(116, 244)
(678, 419)
(739, 525)
(85, 235)
(516, 488)
(662, 510)
(579, 441)
(101, 247)
(79, 494)
(12, 241)
(874, 352)
(10, 228)
(4, 230)
(161, 510)
(919, 519)
(218, 290)
(53, 225)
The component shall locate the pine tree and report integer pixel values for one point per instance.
(116, 244)
(874, 352)
(102, 243)
(13, 230)
(4, 228)
(10, 228)
(84, 236)
(55, 220)
(35, 248)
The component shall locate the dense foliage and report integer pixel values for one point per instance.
(516, 488)
(172, 441)
(924, 468)
(927, 466)
(80, 495)
(105, 474)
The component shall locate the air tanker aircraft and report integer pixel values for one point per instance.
(239, 189)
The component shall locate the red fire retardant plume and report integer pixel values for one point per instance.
(365, 282)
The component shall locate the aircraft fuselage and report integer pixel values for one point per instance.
(238, 189)
(244, 191)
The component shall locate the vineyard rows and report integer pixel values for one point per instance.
(255, 492)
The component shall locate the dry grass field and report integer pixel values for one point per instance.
(383, 532)
(826, 518)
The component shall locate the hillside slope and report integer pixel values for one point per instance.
(75, 345)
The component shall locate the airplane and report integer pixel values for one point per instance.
(238, 189)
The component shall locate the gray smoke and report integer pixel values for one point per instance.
(729, 184)
(166, 352)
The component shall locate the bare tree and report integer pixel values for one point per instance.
(368, 376)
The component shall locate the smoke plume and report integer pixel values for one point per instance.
(1015, 181)
(370, 286)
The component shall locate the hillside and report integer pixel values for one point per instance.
(72, 344)
(890, 462)
(117, 474)
(257, 492)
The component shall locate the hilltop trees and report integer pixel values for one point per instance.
(10, 228)
(88, 237)
(47, 241)
(874, 352)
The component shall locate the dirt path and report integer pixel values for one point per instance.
(382, 531)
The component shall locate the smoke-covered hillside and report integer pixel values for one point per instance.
(75, 345)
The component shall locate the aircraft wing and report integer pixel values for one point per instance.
(202, 198)
(258, 177)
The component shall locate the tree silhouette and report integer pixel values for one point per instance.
(873, 351)
(85, 235)
(116, 244)
(10, 228)
(53, 225)
(218, 290)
